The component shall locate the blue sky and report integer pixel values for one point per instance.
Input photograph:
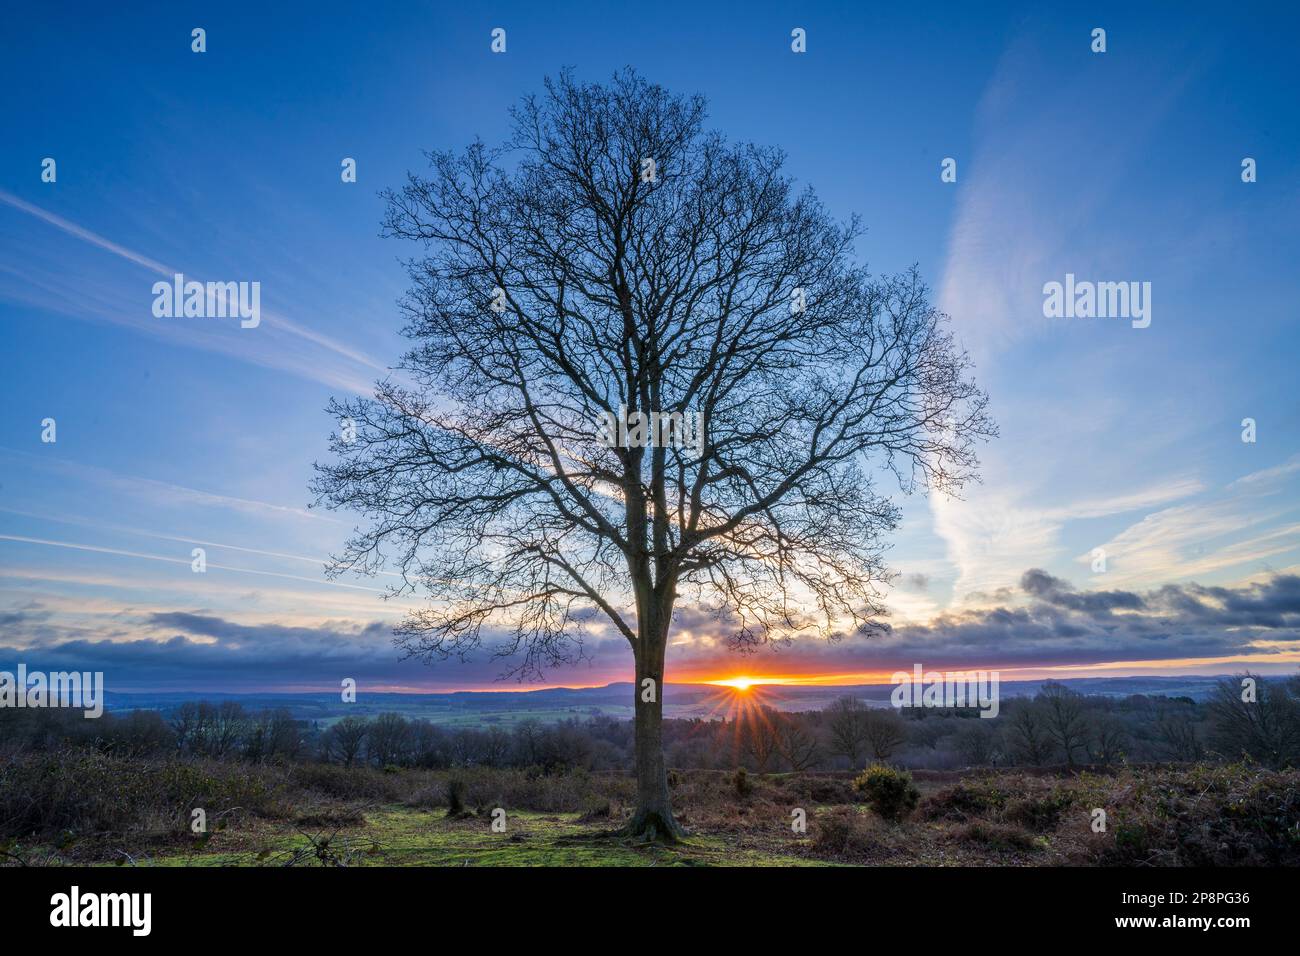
(180, 433)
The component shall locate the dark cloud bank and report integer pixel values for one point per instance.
(1046, 622)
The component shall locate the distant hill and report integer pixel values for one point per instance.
(615, 700)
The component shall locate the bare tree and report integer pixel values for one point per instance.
(529, 742)
(927, 732)
(387, 738)
(1064, 718)
(220, 727)
(759, 739)
(467, 747)
(978, 743)
(286, 735)
(187, 724)
(1176, 732)
(496, 747)
(271, 735)
(884, 733)
(847, 724)
(1028, 736)
(1109, 740)
(796, 744)
(343, 741)
(615, 261)
(429, 745)
(1259, 720)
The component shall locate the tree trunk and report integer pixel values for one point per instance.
(653, 819)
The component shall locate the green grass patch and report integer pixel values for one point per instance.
(403, 836)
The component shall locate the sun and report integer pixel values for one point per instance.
(737, 683)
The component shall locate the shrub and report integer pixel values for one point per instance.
(825, 791)
(597, 809)
(1207, 815)
(1038, 813)
(967, 799)
(334, 818)
(81, 792)
(889, 792)
(744, 786)
(840, 834)
(348, 783)
(1000, 836)
(851, 835)
(456, 797)
(828, 790)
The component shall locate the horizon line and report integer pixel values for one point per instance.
(719, 684)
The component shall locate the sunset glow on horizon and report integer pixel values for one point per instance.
(1281, 663)
(740, 683)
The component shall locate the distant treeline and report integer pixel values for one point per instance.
(1058, 726)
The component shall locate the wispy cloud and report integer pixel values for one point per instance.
(1243, 524)
(355, 374)
(1047, 190)
(1015, 222)
(996, 533)
(122, 552)
(160, 492)
(317, 561)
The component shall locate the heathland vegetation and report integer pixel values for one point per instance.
(1181, 782)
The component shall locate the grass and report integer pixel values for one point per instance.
(402, 836)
